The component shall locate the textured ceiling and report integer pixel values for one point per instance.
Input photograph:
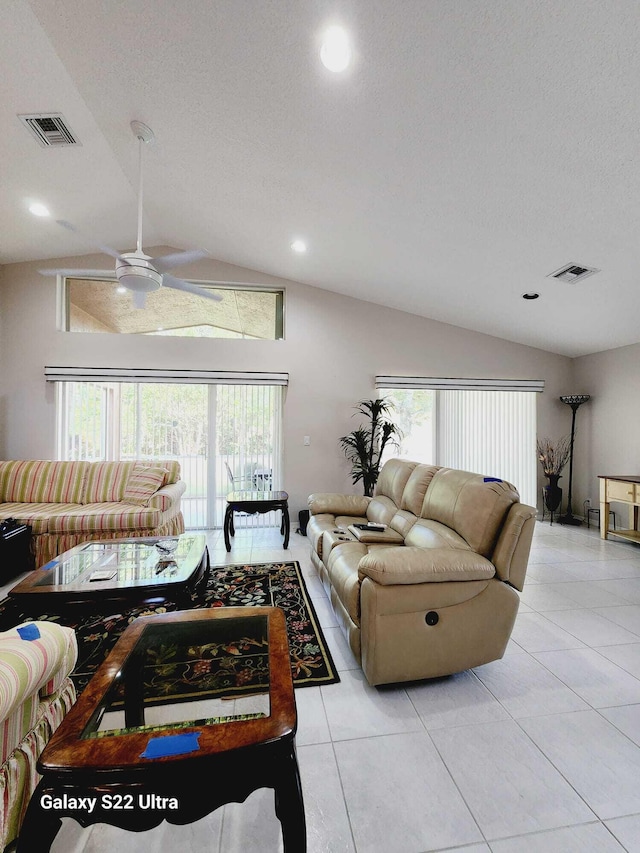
(472, 149)
(240, 313)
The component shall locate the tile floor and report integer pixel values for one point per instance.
(536, 753)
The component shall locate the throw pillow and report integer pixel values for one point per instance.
(144, 481)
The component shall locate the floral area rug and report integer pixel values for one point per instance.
(182, 671)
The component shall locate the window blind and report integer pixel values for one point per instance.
(492, 433)
(226, 437)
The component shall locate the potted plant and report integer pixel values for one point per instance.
(364, 446)
(553, 456)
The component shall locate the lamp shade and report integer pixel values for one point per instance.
(575, 399)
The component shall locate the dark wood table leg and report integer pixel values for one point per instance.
(290, 805)
(228, 521)
(134, 692)
(39, 827)
(286, 524)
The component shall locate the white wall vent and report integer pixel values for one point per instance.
(572, 273)
(50, 129)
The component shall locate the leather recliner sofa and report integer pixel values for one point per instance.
(434, 593)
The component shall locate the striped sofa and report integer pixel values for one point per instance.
(66, 503)
(36, 692)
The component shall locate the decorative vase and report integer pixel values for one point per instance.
(552, 492)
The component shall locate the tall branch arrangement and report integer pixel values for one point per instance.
(553, 456)
(364, 446)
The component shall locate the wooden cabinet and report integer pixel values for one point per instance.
(624, 489)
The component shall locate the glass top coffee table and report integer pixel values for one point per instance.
(119, 569)
(132, 754)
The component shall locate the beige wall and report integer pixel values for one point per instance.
(334, 347)
(607, 435)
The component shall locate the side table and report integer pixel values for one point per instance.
(256, 502)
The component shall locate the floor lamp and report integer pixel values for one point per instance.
(573, 400)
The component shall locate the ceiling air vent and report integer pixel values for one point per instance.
(49, 129)
(572, 273)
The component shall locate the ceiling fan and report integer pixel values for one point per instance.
(136, 271)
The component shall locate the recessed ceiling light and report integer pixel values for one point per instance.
(335, 51)
(530, 295)
(299, 246)
(121, 289)
(38, 209)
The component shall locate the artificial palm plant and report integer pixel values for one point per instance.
(364, 446)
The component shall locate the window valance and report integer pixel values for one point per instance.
(440, 383)
(148, 374)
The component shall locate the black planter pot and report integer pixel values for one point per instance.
(552, 493)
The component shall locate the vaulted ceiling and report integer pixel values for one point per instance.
(470, 150)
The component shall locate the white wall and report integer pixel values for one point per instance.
(608, 426)
(334, 347)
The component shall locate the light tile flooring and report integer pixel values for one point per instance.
(536, 753)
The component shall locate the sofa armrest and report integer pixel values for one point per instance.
(328, 502)
(31, 666)
(407, 565)
(511, 554)
(168, 495)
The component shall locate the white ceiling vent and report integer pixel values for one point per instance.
(572, 273)
(50, 129)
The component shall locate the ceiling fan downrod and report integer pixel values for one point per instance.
(144, 135)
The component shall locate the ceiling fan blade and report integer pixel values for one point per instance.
(78, 273)
(167, 262)
(179, 284)
(106, 249)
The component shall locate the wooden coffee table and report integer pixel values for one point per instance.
(137, 765)
(117, 570)
(253, 502)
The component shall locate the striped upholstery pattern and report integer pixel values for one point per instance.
(42, 481)
(35, 695)
(168, 496)
(173, 469)
(38, 515)
(144, 481)
(49, 546)
(109, 515)
(85, 499)
(106, 481)
(29, 670)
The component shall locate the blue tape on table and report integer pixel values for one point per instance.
(492, 480)
(158, 747)
(29, 632)
(50, 564)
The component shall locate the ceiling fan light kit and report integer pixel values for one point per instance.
(138, 272)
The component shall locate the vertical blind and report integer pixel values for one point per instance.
(491, 432)
(225, 437)
(482, 425)
(248, 445)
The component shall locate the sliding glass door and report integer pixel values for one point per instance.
(224, 436)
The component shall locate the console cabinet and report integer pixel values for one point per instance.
(624, 489)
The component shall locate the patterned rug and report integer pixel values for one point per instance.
(276, 584)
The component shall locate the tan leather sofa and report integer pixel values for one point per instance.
(435, 592)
